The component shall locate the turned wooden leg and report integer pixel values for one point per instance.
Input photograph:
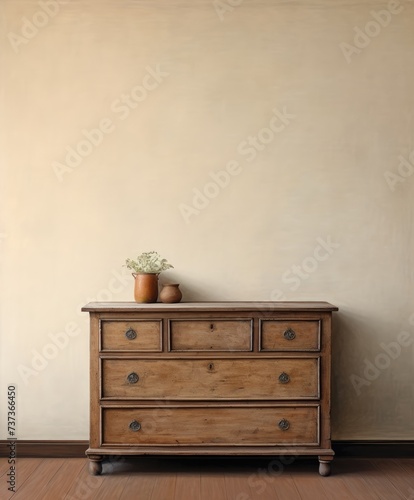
(324, 467)
(95, 465)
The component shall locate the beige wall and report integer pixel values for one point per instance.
(303, 213)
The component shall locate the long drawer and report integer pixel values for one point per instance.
(269, 426)
(196, 379)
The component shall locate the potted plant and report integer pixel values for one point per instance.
(146, 268)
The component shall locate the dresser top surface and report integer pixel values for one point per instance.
(209, 306)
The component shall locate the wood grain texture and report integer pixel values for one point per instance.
(81, 485)
(396, 473)
(265, 308)
(237, 486)
(25, 467)
(211, 378)
(309, 486)
(251, 478)
(187, 486)
(148, 335)
(141, 483)
(214, 425)
(213, 335)
(37, 488)
(94, 383)
(274, 335)
(285, 487)
(212, 485)
(224, 381)
(164, 486)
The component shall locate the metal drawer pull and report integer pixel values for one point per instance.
(284, 424)
(289, 334)
(133, 378)
(284, 378)
(131, 334)
(211, 366)
(135, 426)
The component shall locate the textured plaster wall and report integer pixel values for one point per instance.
(264, 147)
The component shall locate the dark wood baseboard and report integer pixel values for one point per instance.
(371, 449)
(76, 449)
(46, 449)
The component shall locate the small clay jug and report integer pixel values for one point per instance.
(146, 287)
(171, 293)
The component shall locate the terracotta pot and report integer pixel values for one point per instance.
(170, 293)
(146, 287)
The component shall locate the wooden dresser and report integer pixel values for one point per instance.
(210, 378)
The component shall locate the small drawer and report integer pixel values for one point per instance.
(277, 335)
(211, 335)
(247, 425)
(131, 335)
(212, 379)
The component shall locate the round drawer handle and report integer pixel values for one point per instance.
(284, 378)
(289, 334)
(131, 334)
(284, 424)
(135, 426)
(133, 378)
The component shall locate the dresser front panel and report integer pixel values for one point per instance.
(139, 336)
(209, 378)
(242, 378)
(282, 335)
(270, 426)
(211, 335)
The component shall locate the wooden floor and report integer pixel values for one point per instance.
(210, 479)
